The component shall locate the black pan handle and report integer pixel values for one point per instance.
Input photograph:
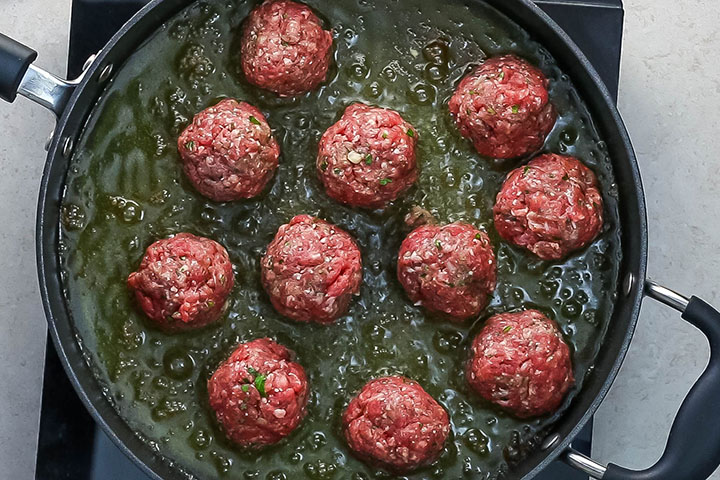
(692, 451)
(19, 75)
(15, 58)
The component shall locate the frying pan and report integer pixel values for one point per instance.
(693, 447)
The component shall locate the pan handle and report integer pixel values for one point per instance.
(18, 75)
(692, 451)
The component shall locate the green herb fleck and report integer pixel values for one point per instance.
(368, 159)
(478, 236)
(385, 181)
(525, 170)
(243, 406)
(284, 43)
(190, 145)
(222, 279)
(490, 110)
(337, 171)
(245, 388)
(507, 329)
(385, 135)
(472, 92)
(183, 269)
(210, 304)
(502, 75)
(515, 108)
(438, 244)
(254, 120)
(566, 177)
(410, 132)
(252, 371)
(260, 384)
(323, 166)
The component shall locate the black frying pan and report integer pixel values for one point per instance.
(693, 448)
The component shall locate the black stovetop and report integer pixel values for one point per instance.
(70, 445)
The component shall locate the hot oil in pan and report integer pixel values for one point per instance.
(126, 189)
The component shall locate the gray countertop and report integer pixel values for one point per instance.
(670, 99)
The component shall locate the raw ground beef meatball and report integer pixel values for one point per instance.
(448, 269)
(259, 395)
(183, 282)
(520, 362)
(367, 158)
(228, 151)
(311, 270)
(504, 108)
(394, 424)
(551, 206)
(284, 48)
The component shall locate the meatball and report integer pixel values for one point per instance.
(183, 282)
(551, 206)
(284, 48)
(311, 270)
(448, 269)
(394, 424)
(367, 158)
(504, 108)
(259, 395)
(520, 362)
(228, 151)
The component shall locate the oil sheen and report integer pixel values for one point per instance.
(125, 189)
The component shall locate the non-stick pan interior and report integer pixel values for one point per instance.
(125, 189)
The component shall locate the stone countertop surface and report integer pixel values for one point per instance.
(670, 100)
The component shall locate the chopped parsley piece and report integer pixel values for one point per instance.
(566, 177)
(210, 303)
(222, 279)
(472, 92)
(385, 181)
(515, 108)
(245, 388)
(190, 145)
(323, 166)
(260, 384)
(385, 135)
(337, 171)
(368, 159)
(507, 329)
(438, 244)
(259, 381)
(478, 236)
(525, 170)
(490, 110)
(502, 75)
(254, 120)
(410, 132)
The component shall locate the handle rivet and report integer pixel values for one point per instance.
(550, 441)
(67, 147)
(105, 73)
(628, 284)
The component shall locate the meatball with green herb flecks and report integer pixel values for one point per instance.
(449, 269)
(367, 159)
(552, 206)
(503, 107)
(311, 270)
(285, 48)
(229, 152)
(393, 423)
(183, 282)
(259, 394)
(520, 362)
